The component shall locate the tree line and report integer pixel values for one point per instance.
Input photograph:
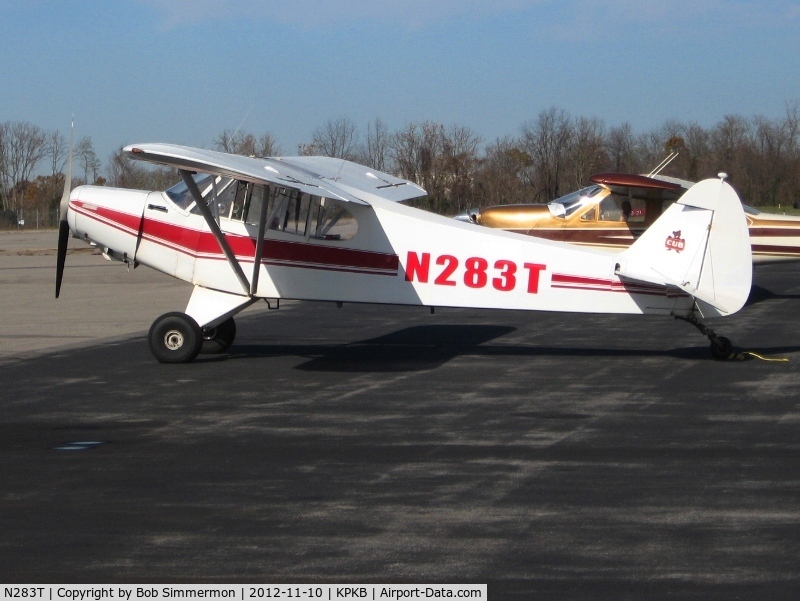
(551, 155)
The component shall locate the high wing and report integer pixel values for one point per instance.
(642, 186)
(317, 176)
(320, 176)
(631, 180)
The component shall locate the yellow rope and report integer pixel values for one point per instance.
(743, 355)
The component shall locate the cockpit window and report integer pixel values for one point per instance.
(567, 205)
(310, 216)
(616, 207)
(180, 195)
(210, 186)
(287, 210)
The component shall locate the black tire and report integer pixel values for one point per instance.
(219, 338)
(721, 348)
(175, 338)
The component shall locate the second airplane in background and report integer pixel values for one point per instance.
(618, 207)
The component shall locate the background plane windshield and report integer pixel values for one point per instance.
(574, 200)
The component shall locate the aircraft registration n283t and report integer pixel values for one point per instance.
(243, 229)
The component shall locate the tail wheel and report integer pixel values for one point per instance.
(721, 347)
(219, 338)
(175, 338)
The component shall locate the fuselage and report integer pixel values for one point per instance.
(384, 252)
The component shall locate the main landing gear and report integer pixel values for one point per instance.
(218, 338)
(721, 347)
(176, 338)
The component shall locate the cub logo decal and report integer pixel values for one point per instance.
(675, 242)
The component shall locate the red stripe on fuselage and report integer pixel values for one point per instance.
(117, 219)
(577, 282)
(286, 253)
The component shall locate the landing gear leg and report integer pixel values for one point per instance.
(218, 338)
(721, 347)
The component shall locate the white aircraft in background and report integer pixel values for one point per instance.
(242, 229)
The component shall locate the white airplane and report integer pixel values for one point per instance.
(243, 229)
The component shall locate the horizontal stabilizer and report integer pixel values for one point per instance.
(701, 245)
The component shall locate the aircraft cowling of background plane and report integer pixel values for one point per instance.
(597, 216)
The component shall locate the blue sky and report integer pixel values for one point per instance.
(182, 71)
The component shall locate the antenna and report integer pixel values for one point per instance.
(660, 167)
(233, 137)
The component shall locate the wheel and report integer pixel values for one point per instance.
(721, 348)
(218, 338)
(175, 338)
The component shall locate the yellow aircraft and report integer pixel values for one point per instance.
(618, 207)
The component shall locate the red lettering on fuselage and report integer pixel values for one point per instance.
(450, 264)
(418, 267)
(534, 270)
(477, 272)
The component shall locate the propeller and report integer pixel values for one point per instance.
(63, 224)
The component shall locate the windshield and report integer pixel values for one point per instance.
(180, 195)
(206, 183)
(567, 205)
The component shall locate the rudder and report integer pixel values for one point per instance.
(701, 245)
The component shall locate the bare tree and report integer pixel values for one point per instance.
(56, 155)
(792, 126)
(697, 151)
(124, 172)
(247, 144)
(404, 148)
(587, 154)
(503, 174)
(621, 146)
(225, 142)
(268, 146)
(547, 141)
(458, 166)
(22, 147)
(87, 158)
(728, 138)
(56, 151)
(376, 146)
(335, 138)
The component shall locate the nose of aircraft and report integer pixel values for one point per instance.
(470, 216)
(109, 217)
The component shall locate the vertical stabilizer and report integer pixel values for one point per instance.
(701, 245)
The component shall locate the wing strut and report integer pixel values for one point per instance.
(214, 227)
(262, 226)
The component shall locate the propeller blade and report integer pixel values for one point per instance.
(63, 238)
(63, 224)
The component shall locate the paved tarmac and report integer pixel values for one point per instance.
(552, 456)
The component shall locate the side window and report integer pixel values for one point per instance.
(296, 219)
(615, 207)
(590, 215)
(240, 200)
(253, 207)
(288, 211)
(334, 222)
(225, 193)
